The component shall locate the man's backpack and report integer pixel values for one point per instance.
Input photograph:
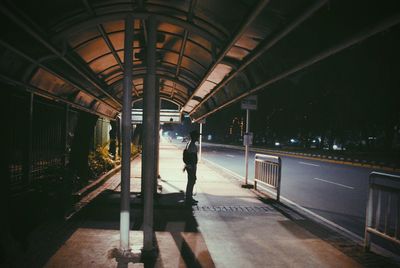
(186, 155)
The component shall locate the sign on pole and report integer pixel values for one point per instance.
(166, 116)
(249, 103)
(248, 139)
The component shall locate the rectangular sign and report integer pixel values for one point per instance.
(248, 139)
(249, 103)
(166, 116)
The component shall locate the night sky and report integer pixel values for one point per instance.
(352, 95)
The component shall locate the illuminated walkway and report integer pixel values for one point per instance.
(230, 227)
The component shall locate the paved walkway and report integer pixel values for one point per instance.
(230, 227)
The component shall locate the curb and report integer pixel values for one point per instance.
(99, 181)
(319, 157)
(85, 190)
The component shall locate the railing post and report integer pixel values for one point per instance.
(368, 222)
(278, 194)
(382, 187)
(126, 135)
(27, 162)
(66, 135)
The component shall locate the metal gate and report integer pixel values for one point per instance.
(268, 172)
(383, 208)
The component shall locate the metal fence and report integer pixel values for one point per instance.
(38, 141)
(268, 172)
(383, 208)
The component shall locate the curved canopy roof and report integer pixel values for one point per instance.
(210, 53)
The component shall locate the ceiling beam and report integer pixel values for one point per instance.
(176, 101)
(229, 62)
(142, 8)
(173, 90)
(262, 48)
(40, 92)
(44, 67)
(182, 80)
(104, 35)
(192, 4)
(93, 22)
(243, 26)
(177, 95)
(357, 38)
(38, 37)
(161, 76)
(110, 46)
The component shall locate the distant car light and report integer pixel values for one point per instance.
(277, 144)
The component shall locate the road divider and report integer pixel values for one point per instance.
(319, 157)
(268, 172)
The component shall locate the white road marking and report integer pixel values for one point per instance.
(237, 176)
(230, 155)
(309, 164)
(346, 186)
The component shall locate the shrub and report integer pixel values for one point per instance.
(100, 161)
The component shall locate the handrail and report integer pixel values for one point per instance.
(383, 208)
(268, 172)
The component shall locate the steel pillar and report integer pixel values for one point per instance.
(126, 135)
(157, 126)
(150, 137)
(246, 155)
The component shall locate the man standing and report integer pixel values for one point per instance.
(191, 167)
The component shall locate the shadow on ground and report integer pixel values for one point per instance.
(103, 213)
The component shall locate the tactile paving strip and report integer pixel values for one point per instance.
(258, 210)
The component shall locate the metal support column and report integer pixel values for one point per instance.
(157, 126)
(150, 137)
(200, 140)
(126, 135)
(246, 155)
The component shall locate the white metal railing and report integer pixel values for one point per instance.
(268, 172)
(383, 208)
